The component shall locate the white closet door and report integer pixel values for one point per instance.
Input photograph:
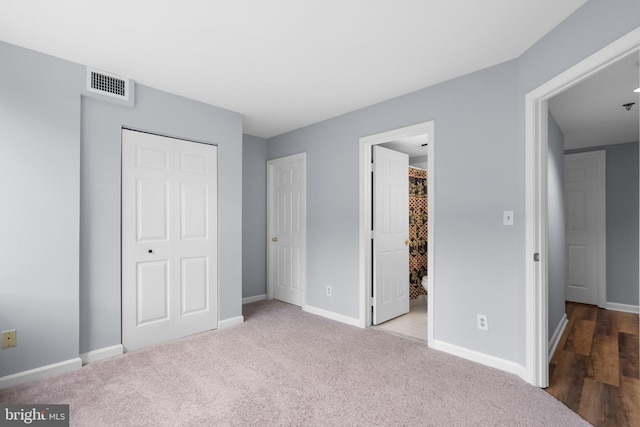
(195, 238)
(169, 238)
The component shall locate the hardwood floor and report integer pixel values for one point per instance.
(595, 370)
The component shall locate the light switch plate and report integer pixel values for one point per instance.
(507, 218)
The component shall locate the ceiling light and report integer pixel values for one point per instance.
(637, 90)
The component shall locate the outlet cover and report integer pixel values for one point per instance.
(328, 291)
(483, 324)
(9, 338)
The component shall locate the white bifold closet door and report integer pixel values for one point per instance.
(169, 238)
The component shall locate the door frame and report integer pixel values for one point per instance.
(536, 149)
(302, 157)
(365, 186)
(601, 223)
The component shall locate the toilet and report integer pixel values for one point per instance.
(424, 282)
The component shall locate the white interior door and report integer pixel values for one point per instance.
(169, 238)
(585, 226)
(287, 228)
(390, 234)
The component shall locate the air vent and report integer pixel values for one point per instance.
(108, 84)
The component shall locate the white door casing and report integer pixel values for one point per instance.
(169, 238)
(585, 226)
(390, 234)
(366, 188)
(286, 187)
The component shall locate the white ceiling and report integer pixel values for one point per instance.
(591, 113)
(283, 64)
(414, 146)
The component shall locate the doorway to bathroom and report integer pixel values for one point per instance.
(413, 322)
(397, 238)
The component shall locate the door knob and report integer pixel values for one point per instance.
(274, 239)
(406, 242)
(150, 251)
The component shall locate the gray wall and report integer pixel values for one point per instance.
(475, 124)
(254, 216)
(479, 162)
(622, 224)
(555, 226)
(40, 185)
(622, 221)
(61, 154)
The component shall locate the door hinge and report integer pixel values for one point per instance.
(372, 234)
(372, 302)
(536, 257)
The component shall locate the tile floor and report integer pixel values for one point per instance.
(411, 325)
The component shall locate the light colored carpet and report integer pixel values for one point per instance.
(284, 367)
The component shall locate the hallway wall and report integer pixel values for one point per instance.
(555, 226)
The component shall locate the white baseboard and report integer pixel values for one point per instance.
(233, 321)
(41, 372)
(482, 358)
(331, 315)
(254, 298)
(102, 353)
(555, 338)
(622, 307)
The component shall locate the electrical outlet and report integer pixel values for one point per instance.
(328, 291)
(483, 324)
(8, 338)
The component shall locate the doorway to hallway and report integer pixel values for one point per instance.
(537, 147)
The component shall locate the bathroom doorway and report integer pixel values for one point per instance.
(413, 324)
(418, 144)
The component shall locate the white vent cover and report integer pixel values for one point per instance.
(108, 84)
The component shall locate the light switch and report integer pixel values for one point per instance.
(507, 218)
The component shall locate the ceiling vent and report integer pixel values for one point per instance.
(109, 84)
